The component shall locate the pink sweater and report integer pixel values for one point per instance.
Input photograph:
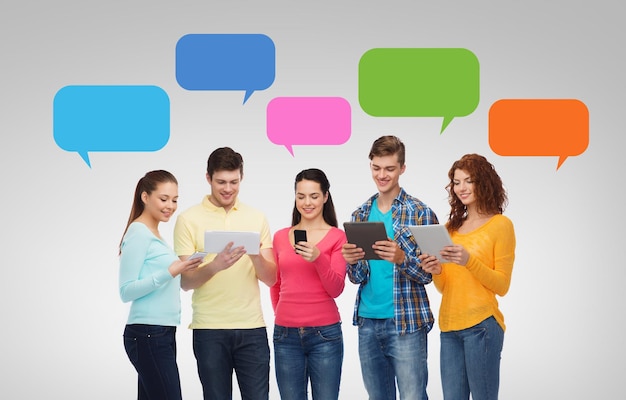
(304, 293)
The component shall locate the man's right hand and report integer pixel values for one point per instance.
(351, 253)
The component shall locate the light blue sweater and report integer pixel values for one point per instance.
(145, 280)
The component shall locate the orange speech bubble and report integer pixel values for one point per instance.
(539, 127)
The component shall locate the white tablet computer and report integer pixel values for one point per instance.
(215, 241)
(364, 234)
(431, 239)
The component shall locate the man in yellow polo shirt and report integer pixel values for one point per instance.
(229, 331)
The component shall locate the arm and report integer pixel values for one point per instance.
(497, 278)
(134, 251)
(409, 265)
(195, 278)
(432, 265)
(275, 290)
(495, 247)
(264, 266)
(331, 269)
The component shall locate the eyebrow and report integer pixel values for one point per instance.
(305, 194)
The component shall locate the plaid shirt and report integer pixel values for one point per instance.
(410, 301)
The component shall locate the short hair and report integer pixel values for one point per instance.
(224, 159)
(386, 146)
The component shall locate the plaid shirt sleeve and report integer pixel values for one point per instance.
(412, 308)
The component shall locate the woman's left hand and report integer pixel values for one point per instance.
(456, 254)
(307, 251)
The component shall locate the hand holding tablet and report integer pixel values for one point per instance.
(431, 239)
(364, 235)
(215, 241)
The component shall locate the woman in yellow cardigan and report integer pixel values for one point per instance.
(481, 261)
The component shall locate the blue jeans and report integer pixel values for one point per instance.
(152, 351)
(470, 361)
(388, 358)
(314, 353)
(219, 351)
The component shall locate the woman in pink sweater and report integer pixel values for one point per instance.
(308, 341)
(471, 324)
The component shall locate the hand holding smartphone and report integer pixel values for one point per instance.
(299, 235)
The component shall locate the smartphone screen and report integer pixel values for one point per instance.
(299, 235)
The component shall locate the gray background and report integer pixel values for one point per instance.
(62, 316)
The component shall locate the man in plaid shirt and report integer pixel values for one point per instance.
(392, 311)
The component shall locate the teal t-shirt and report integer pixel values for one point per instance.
(377, 293)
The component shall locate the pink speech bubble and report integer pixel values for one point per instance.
(308, 121)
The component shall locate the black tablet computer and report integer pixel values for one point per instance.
(364, 234)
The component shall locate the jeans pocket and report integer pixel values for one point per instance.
(331, 332)
(280, 333)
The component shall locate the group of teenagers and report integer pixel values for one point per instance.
(392, 310)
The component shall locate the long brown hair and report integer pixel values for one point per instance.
(491, 197)
(148, 183)
(328, 212)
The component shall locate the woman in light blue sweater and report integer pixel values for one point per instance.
(149, 277)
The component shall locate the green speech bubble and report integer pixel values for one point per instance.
(419, 82)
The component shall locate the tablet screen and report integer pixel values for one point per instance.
(364, 234)
(431, 239)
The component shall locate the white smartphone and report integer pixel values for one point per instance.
(198, 254)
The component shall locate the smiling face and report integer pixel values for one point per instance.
(386, 171)
(463, 187)
(310, 199)
(162, 202)
(224, 188)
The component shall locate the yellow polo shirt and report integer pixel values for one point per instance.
(231, 298)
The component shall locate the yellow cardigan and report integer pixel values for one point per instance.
(469, 292)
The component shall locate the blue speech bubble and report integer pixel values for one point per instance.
(225, 62)
(111, 118)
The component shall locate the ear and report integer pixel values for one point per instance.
(144, 197)
(325, 197)
(208, 178)
(403, 169)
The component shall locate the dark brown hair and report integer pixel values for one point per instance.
(148, 183)
(224, 159)
(491, 197)
(316, 175)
